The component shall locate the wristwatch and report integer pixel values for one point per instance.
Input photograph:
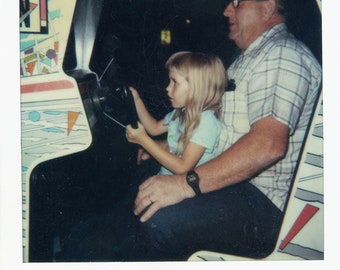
(193, 180)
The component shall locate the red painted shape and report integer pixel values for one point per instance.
(307, 213)
(46, 86)
(43, 10)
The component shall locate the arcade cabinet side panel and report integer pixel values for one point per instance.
(53, 118)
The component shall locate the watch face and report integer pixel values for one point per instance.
(191, 178)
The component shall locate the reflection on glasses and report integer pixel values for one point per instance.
(236, 3)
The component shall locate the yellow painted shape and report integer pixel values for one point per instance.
(72, 118)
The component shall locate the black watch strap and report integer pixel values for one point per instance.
(193, 181)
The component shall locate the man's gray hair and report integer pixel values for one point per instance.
(281, 7)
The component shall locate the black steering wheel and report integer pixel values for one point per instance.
(131, 112)
(104, 98)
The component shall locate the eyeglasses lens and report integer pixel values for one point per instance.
(235, 3)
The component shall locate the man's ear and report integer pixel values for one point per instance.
(269, 9)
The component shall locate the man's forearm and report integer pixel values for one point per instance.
(264, 145)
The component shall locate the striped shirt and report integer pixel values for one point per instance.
(276, 76)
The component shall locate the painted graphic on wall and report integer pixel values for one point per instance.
(33, 16)
(53, 119)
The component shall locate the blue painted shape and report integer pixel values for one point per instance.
(54, 130)
(34, 116)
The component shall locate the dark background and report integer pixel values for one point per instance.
(129, 31)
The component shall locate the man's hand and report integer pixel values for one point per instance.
(160, 191)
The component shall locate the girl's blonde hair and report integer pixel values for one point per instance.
(206, 76)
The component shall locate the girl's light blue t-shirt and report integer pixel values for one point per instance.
(206, 134)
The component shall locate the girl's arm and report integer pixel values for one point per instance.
(144, 155)
(178, 165)
(152, 126)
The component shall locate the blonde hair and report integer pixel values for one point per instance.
(206, 76)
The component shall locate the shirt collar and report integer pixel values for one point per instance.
(262, 38)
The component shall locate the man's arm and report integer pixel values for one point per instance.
(264, 145)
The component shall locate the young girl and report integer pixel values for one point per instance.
(195, 90)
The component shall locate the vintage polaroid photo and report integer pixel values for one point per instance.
(77, 167)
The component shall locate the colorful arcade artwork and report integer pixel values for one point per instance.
(33, 16)
(53, 119)
(39, 45)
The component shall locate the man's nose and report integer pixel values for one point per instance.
(228, 9)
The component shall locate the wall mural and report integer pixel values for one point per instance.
(53, 119)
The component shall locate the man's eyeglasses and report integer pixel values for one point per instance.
(236, 3)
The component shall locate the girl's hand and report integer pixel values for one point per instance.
(137, 135)
(142, 155)
(134, 93)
